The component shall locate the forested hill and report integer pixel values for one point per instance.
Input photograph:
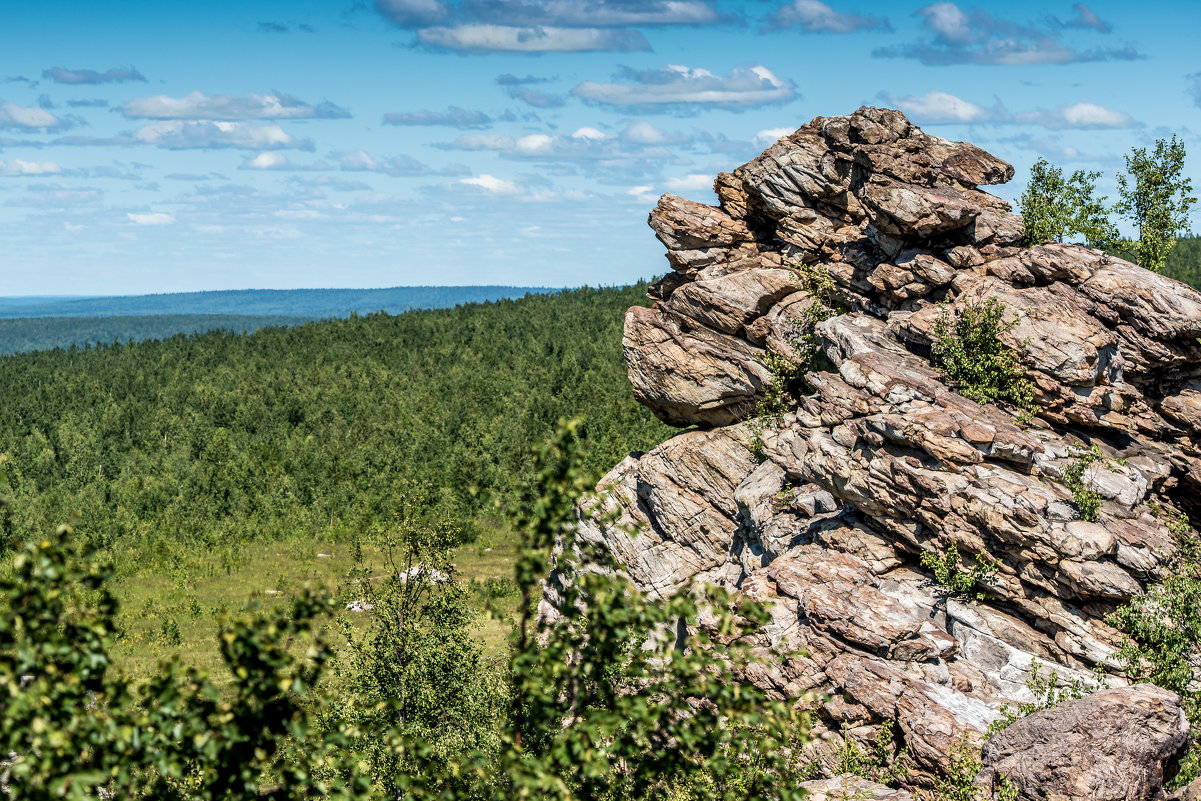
(41, 323)
(308, 303)
(24, 334)
(323, 427)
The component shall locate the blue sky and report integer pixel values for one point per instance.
(169, 146)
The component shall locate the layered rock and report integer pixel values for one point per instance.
(879, 457)
(1108, 746)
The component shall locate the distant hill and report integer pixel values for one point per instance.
(24, 334)
(310, 304)
(47, 322)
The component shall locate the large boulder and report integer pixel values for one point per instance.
(1112, 745)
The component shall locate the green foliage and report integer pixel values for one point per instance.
(959, 781)
(1183, 262)
(1087, 500)
(74, 728)
(882, 763)
(201, 443)
(1153, 195)
(968, 348)
(824, 302)
(604, 702)
(1053, 207)
(1164, 630)
(951, 576)
(416, 674)
(669, 710)
(1048, 691)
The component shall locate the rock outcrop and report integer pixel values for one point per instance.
(1111, 745)
(824, 514)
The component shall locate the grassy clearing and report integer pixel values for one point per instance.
(170, 609)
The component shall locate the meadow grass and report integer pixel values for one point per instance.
(171, 607)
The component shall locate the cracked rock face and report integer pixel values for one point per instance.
(879, 457)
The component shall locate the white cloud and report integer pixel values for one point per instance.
(641, 132)
(1079, 115)
(150, 218)
(267, 161)
(941, 107)
(948, 22)
(676, 87)
(17, 167)
(492, 184)
(643, 194)
(249, 106)
(589, 133)
(690, 183)
(14, 116)
(814, 16)
(980, 38)
(179, 134)
(772, 135)
(543, 39)
(396, 166)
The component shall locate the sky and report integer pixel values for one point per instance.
(155, 146)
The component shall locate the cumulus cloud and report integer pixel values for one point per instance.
(814, 16)
(19, 168)
(959, 37)
(114, 75)
(640, 149)
(943, 108)
(28, 117)
(1087, 18)
(182, 134)
(1078, 115)
(485, 38)
(678, 88)
(267, 161)
(489, 183)
(771, 136)
(150, 218)
(249, 106)
(693, 182)
(453, 117)
(94, 102)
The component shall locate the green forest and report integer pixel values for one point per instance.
(312, 429)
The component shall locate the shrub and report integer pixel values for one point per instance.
(1164, 630)
(1087, 500)
(968, 348)
(949, 575)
